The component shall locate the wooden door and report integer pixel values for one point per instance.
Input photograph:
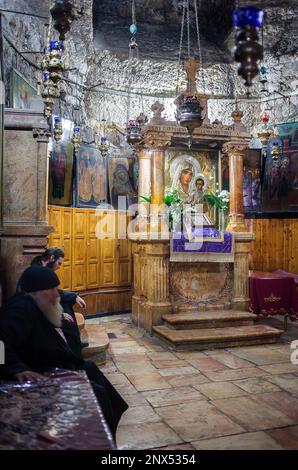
(92, 252)
(108, 269)
(79, 271)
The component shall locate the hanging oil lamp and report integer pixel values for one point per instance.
(133, 132)
(55, 65)
(76, 139)
(58, 132)
(275, 151)
(63, 13)
(50, 91)
(265, 117)
(104, 146)
(189, 113)
(263, 79)
(248, 51)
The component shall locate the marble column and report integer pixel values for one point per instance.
(144, 188)
(156, 143)
(236, 151)
(240, 297)
(25, 177)
(157, 290)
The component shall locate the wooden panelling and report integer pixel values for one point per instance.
(107, 300)
(275, 245)
(92, 262)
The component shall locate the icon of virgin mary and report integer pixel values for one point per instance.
(183, 170)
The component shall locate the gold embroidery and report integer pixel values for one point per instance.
(272, 298)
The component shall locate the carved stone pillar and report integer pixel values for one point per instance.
(156, 143)
(144, 188)
(240, 298)
(136, 281)
(236, 151)
(25, 176)
(157, 296)
(42, 139)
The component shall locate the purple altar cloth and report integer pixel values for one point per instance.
(202, 243)
(58, 413)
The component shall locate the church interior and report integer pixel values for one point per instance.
(149, 225)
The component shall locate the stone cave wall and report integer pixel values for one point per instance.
(94, 59)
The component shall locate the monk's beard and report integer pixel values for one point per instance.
(52, 312)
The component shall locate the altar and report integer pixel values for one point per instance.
(205, 268)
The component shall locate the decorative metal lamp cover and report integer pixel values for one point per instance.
(133, 132)
(248, 51)
(76, 139)
(104, 146)
(58, 131)
(55, 57)
(50, 91)
(189, 113)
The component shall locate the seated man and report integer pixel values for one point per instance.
(53, 258)
(30, 328)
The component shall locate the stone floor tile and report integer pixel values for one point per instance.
(281, 401)
(234, 374)
(288, 382)
(184, 380)
(145, 436)
(231, 360)
(263, 355)
(206, 364)
(139, 414)
(198, 420)
(131, 367)
(176, 447)
(246, 441)
(135, 399)
(172, 371)
(161, 356)
(148, 381)
(172, 396)
(283, 368)
(164, 364)
(286, 437)
(252, 415)
(125, 389)
(256, 385)
(217, 390)
(190, 355)
(116, 378)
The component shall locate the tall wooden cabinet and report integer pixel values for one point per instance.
(90, 262)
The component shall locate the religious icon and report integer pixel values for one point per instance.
(61, 168)
(121, 181)
(21, 92)
(182, 172)
(91, 177)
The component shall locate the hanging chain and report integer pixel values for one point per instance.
(188, 30)
(199, 42)
(180, 45)
(133, 12)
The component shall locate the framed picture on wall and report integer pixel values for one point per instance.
(61, 168)
(91, 177)
(123, 180)
(21, 91)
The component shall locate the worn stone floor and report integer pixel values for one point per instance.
(235, 398)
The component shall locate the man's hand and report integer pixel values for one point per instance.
(28, 376)
(81, 302)
(68, 317)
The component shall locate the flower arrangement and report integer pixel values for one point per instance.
(174, 206)
(220, 201)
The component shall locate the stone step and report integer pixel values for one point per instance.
(214, 338)
(98, 340)
(210, 319)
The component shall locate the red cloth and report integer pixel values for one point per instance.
(273, 296)
(285, 273)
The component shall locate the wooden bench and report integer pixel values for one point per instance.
(97, 338)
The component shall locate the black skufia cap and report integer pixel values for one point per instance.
(37, 278)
